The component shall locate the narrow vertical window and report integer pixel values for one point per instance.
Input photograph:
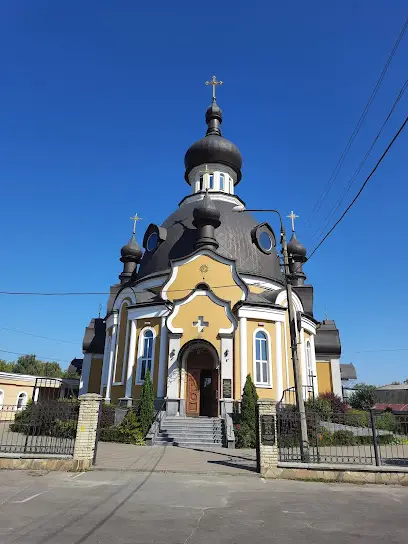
(201, 183)
(262, 374)
(309, 366)
(221, 182)
(146, 355)
(211, 181)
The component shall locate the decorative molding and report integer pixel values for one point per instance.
(296, 301)
(261, 282)
(214, 299)
(268, 385)
(308, 325)
(138, 380)
(112, 320)
(243, 350)
(147, 311)
(263, 314)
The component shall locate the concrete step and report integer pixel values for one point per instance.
(191, 444)
(175, 424)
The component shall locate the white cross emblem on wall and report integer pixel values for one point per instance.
(200, 323)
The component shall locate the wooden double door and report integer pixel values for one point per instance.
(202, 392)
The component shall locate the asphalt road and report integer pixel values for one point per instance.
(130, 507)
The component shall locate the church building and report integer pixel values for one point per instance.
(204, 303)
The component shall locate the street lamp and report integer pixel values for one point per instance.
(304, 442)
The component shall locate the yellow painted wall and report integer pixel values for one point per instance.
(95, 375)
(255, 289)
(117, 392)
(252, 324)
(324, 377)
(217, 275)
(154, 323)
(120, 352)
(12, 388)
(212, 312)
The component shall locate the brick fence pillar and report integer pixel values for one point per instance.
(87, 427)
(267, 439)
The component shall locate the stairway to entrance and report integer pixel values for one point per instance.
(191, 431)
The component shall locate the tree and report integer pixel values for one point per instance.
(248, 403)
(146, 405)
(28, 364)
(5, 366)
(363, 396)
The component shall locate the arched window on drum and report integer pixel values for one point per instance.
(145, 360)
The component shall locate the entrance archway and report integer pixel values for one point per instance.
(201, 364)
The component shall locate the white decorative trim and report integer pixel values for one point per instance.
(288, 353)
(127, 292)
(216, 169)
(227, 363)
(112, 320)
(106, 352)
(308, 325)
(214, 299)
(196, 197)
(180, 262)
(263, 314)
(147, 311)
(138, 380)
(86, 371)
(125, 350)
(261, 282)
(269, 384)
(297, 304)
(279, 361)
(243, 349)
(336, 377)
(125, 303)
(112, 356)
(173, 372)
(157, 281)
(161, 382)
(314, 366)
(131, 357)
(302, 358)
(1, 398)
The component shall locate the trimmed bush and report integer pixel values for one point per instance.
(245, 422)
(128, 432)
(146, 405)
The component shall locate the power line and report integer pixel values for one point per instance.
(37, 335)
(356, 130)
(361, 189)
(45, 359)
(336, 206)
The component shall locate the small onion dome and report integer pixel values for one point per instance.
(213, 148)
(206, 213)
(131, 251)
(295, 248)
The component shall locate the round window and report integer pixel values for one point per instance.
(152, 241)
(265, 241)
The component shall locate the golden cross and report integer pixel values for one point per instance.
(214, 83)
(292, 216)
(206, 171)
(135, 219)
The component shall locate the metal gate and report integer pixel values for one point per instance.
(45, 424)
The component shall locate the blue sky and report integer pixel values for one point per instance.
(100, 100)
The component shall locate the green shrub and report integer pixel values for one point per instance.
(343, 438)
(146, 405)
(358, 418)
(128, 432)
(55, 418)
(363, 396)
(245, 422)
(387, 422)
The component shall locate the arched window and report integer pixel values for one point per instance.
(1, 398)
(201, 183)
(309, 366)
(211, 182)
(22, 400)
(145, 355)
(262, 359)
(222, 182)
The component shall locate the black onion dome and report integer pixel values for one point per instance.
(213, 148)
(206, 213)
(131, 251)
(296, 248)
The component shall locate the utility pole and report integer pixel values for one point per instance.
(300, 404)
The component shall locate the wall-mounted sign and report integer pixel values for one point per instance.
(227, 389)
(268, 430)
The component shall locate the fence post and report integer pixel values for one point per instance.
(87, 428)
(267, 438)
(375, 441)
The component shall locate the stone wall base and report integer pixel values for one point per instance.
(364, 476)
(30, 463)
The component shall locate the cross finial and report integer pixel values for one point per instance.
(214, 83)
(135, 219)
(292, 216)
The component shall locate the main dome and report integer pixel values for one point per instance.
(234, 236)
(213, 148)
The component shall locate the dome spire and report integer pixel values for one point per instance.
(213, 115)
(297, 255)
(131, 253)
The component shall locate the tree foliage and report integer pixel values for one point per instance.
(245, 422)
(29, 364)
(146, 405)
(363, 396)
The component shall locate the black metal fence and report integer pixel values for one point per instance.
(43, 427)
(353, 437)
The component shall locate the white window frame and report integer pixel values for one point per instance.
(24, 401)
(1, 399)
(309, 364)
(268, 383)
(222, 177)
(118, 330)
(139, 380)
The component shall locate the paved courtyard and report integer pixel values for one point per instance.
(163, 508)
(112, 456)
